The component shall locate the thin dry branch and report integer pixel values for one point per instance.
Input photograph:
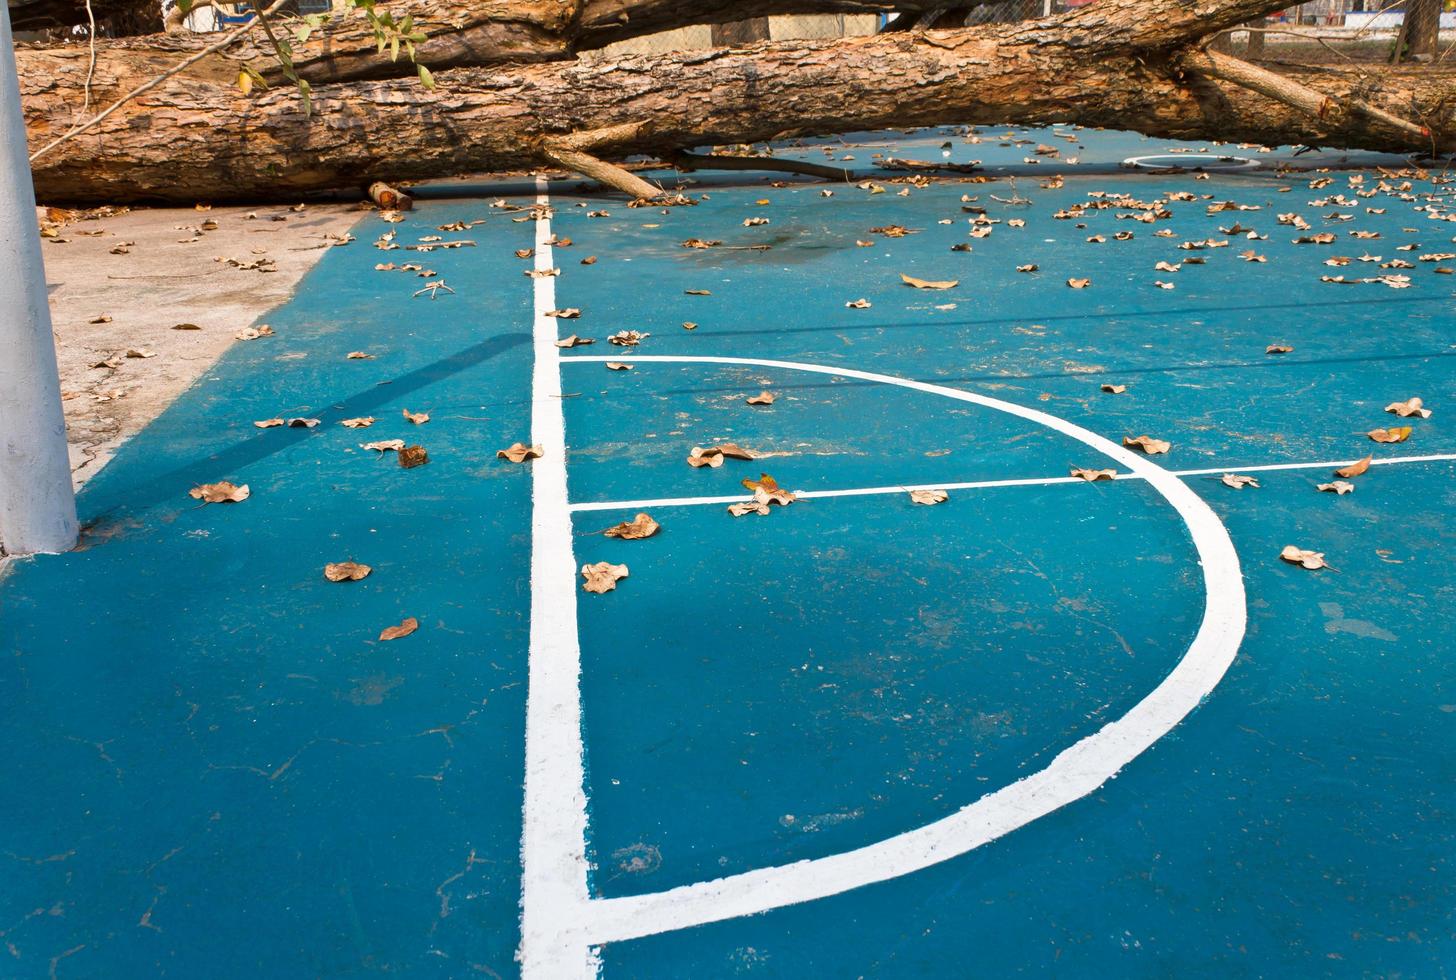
(147, 86)
(1283, 89)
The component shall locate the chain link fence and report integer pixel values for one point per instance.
(1330, 32)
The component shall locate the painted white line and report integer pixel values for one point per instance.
(1041, 481)
(1073, 774)
(553, 840)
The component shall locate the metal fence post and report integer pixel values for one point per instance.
(37, 503)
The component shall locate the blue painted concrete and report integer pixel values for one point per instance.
(215, 769)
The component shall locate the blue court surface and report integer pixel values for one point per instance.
(1047, 726)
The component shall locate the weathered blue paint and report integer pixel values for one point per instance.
(215, 769)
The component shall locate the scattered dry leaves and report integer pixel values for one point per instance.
(1356, 468)
(346, 571)
(641, 526)
(519, 452)
(222, 492)
(602, 577)
(1147, 444)
(403, 629)
(1409, 407)
(1308, 559)
(928, 283)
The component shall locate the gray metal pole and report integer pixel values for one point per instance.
(37, 503)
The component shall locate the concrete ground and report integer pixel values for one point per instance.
(143, 272)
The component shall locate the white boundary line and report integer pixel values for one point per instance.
(1073, 774)
(989, 484)
(553, 838)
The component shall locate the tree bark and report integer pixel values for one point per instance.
(1255, 48)
(1116, 63)
(1423, 28)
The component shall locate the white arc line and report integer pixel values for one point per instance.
(1077, 771)
(553, 836)
(1041, 481)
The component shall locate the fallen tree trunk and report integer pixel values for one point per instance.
(463, 33)
(1119, 63)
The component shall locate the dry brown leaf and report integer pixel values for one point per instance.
(928, 283)
(346, 571)
(689, 325)
(1400, 434)
(1278, 349)
(412, 456)
(1033, 267)
(250, 333)
(1356, 468)
(417, 418)
(618, 366)
(1079, 283)
(384, 446)
(268, 423)
(1338, 486)
(754, 506)
(589, 260)
(302, 423)
(1092, 476)
(403, 629)
(700, 243)
(1298, 556)
(1238, 482)
(574, 341)
(103, 318)
(602, 577)
(359, 355)
(363, 422)
(697, 292)
(700, 457)
(1147, 444)
(763, 398)
(140, 353)
(641, 526)
(768, 485)
(186, 326)
(1409, 407)
(219, 493)
(928, 497)
(1114, 389)
(627, 338)
(858, 304)
(570, 313)
(519, 452)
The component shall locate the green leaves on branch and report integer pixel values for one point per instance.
(388, 33)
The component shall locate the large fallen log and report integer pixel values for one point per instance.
(1120, 63)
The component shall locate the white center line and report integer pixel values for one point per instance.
(553, 839)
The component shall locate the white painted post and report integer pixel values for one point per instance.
(37, 503)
